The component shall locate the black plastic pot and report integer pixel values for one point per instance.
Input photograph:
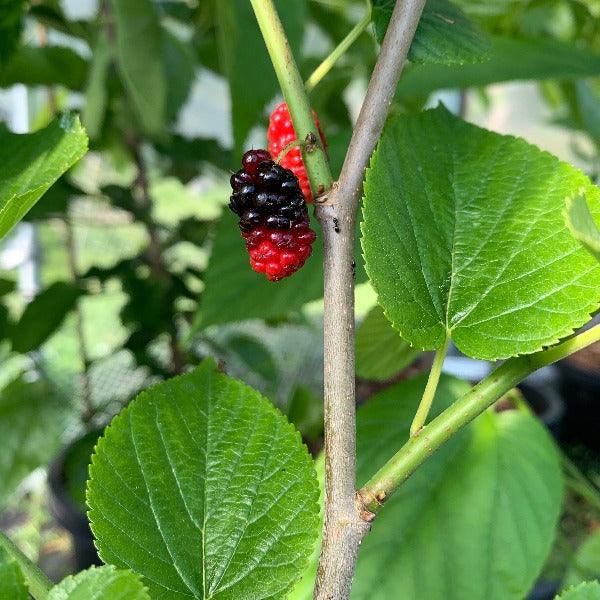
(66, 480)
(547, 404)
(581, 392)
(544, 590)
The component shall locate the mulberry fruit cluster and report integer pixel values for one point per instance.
(273, 215)
(280, 133)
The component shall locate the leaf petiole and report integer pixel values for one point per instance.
(288, 147)
(430, 388)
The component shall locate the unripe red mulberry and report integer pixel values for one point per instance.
(280, 133)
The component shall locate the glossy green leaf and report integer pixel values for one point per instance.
(586, 562)
(46, 65)
(476, 523)
(12, 582)
(32, 163)
(590, 590)
(103, 583)
(43, 316)
(202, 487)
(139, 58)
(582, 225)
(464, 236)
(508, 60)
(234, 292)
(31, 423)
(380, 351)
(445, 35)
(252, 81)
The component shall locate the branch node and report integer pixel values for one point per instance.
(367, 501)
(367, 516)
(326, 197)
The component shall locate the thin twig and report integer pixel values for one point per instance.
(321, 71)
(345, 524)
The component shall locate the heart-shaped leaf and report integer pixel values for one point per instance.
(464, 236)
(103, 583)
(204, 488)
(582, 225)
(32, 163)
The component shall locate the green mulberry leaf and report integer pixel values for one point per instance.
(203, 488)
(464, 236)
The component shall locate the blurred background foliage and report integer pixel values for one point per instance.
(130, 270)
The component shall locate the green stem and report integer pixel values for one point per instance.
(419, 448)
(39, 585)
(430, 388)
(294, 93)
(326, 66)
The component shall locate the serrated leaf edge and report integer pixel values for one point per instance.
(269, 406)
(568, 332)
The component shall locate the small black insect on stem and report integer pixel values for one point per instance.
(336, 225)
